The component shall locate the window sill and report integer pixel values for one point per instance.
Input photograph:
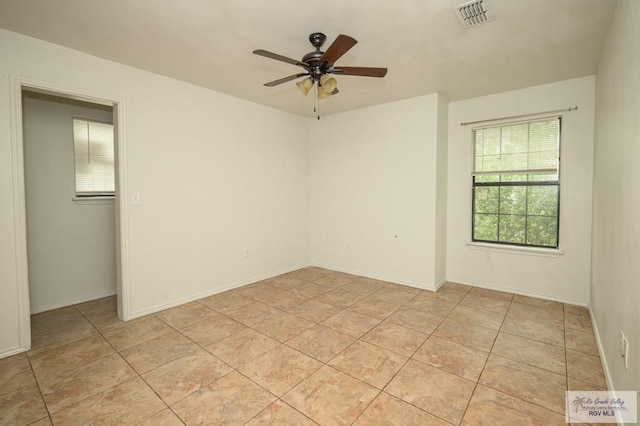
(530, 251)
(94, 200)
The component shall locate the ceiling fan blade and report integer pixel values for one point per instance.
(361, 71)
(284, 79)
(339, 47)
(277, 57)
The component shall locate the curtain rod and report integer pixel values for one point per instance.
(519, 116)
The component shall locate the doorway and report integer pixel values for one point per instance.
(68, 145)
(40, 90)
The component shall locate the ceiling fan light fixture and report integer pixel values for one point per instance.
(323, 94)
(305, 85)
(328, 83)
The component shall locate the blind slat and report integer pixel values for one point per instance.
(94, 157)
(517, 148)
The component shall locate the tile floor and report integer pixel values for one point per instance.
(309, 347)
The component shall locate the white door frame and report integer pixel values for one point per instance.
(18, 83)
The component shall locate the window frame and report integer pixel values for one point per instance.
(98, 196)
(524, 183)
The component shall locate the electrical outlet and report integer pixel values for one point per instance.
(488, 255)
(624, 349)
(246, 252)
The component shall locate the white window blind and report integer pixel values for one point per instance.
(531, 147)
(94, 159)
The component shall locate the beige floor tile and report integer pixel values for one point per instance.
(310, 290)
(225, 302)
(113, 406)
(280, 369)
(468, 335)
(331, 397)
(22, 406)
(456, 286)
(441, 394)
(183, 376)
(586, 368)
(159, 351)
(578, 322)
(46, 421)
(532, 329)
(141, 331)
(240, 348)
(207, 332)
(65, 389)
(163, 418)
(396, 338)
(280, 413)
(252, 313)
(70, 356)
(315, 311)
(535, 313)
(351, 323)
(539, 303)
(285, 300)
(476, 316)
(426, 302)
(395, 294)
(231, 400)
(531, 352)
(46, 340)
(447, 293)
(529, 383)
(579, 385)
(371, 364)
(284, 283)
(44, 322)
(485, 292)
(387, 410)
(259, 291)
(340, 298)
(576, 310)
(320, 342)
(183, 316)
(335, 280)
(15, 374)
(282, 326)
(452, 357)
(487, 303)
(98, 306)
(490, 407)
(374, 308)
(307, 274)
(421, 321)
(581, 342)
(364, 287)
(107, 321)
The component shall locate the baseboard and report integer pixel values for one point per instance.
(392, 280)
(64, 304)
(524, 293)
(13, 351)
(603, 357)
(214, 292)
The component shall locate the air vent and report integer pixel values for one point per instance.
(474, 13)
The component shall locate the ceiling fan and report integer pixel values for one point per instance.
(318, 66)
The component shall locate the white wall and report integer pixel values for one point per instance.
(373, 191)
(615, 286)
(564, 277)
(215, 175)
(71, 247)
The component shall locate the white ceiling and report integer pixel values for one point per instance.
(209, 43)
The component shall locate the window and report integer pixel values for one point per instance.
(516, 190)
(93, 144)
